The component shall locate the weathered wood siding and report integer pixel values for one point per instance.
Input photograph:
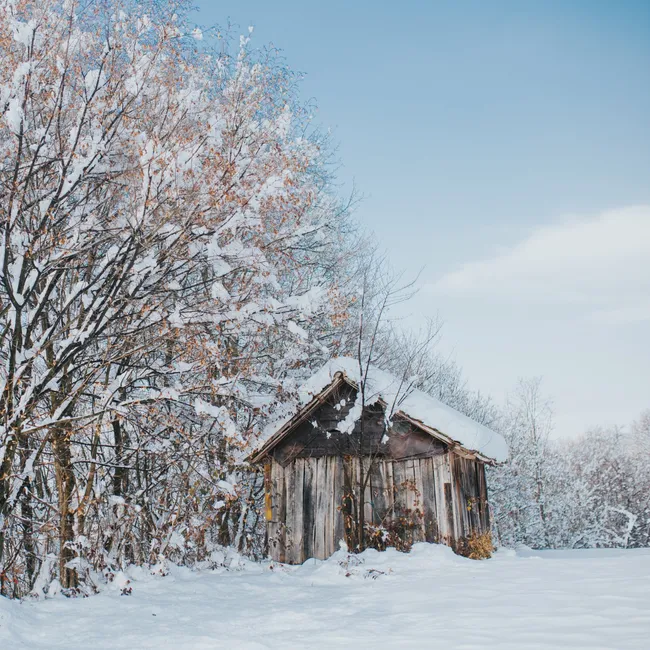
(318, 435)
(447, 492)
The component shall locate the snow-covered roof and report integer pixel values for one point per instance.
(436, 417)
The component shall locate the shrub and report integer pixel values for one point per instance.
(475, 546)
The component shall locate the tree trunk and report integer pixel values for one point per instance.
(120, 476)
(65, 485)
(27, 515)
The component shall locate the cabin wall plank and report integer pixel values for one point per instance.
(364, 467)
(418, 504)
(474, 513)
(400, 487)
(378, 492)
(298, 499)
(429, 509)
(309, 487)
(276, 525)
(390, 489)
(329, 498)
(459, 508)
(441, 478)
(483, 498)
(323, 494)
(290, 517)
(336, 504)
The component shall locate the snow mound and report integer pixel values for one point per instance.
(370, 564)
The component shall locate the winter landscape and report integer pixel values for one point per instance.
(246, 402)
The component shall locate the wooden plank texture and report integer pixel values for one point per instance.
(444, 495)
(308, 506)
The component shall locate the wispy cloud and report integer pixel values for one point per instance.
(602, 262)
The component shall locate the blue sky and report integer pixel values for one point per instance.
(499, 147)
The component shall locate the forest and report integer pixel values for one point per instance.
(176, 258)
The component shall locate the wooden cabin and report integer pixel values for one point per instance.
(403, 468)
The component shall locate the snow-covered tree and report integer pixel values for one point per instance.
(169, 232)
(590, 491)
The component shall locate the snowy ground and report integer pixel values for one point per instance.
(427, 599)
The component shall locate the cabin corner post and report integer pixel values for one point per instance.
(268, 499)
(486, 511)
(274, 509)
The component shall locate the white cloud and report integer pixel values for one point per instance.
(601, 262)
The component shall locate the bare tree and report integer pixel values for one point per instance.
(376, 335)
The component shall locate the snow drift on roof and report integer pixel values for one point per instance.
(414, 403)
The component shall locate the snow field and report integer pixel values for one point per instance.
(427, 599)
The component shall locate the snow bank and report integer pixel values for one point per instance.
(414, 403)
